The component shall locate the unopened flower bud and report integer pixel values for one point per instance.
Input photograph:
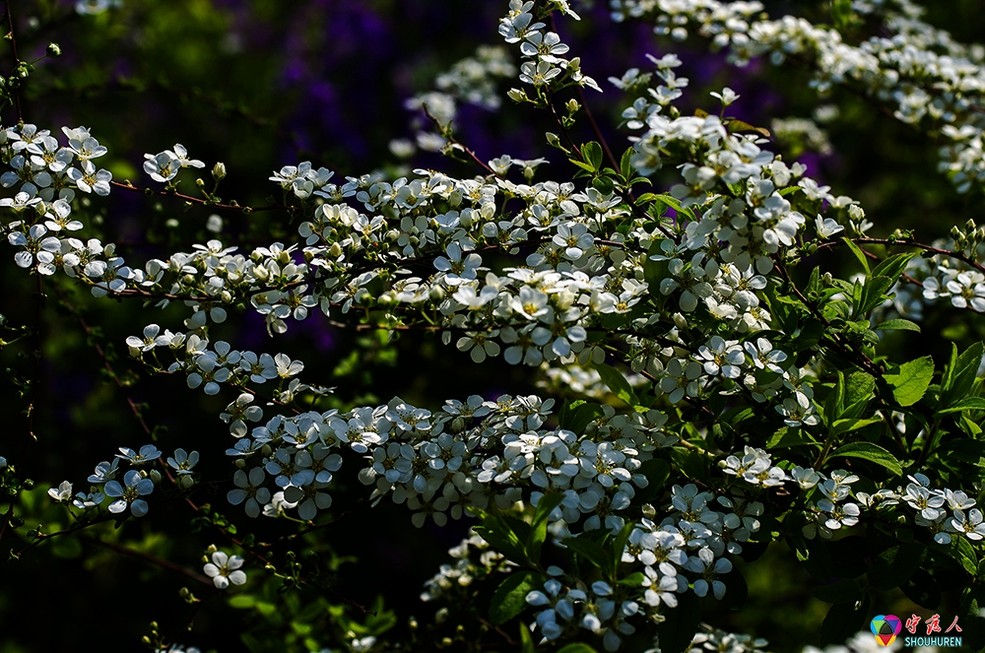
(54, 50)
(219, 171)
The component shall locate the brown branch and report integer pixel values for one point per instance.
(13, 50)
(233, 206)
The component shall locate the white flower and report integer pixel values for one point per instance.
(62, 493)
(225, 569)
(162, 167)
(128, 494)
(249, 488)
(827, 227)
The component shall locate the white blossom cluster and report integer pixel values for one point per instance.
(138, 482)
(963, 287)
(942, 278)
(472, 79)
(921, 73)
(543, 51)
(545, 274)
(473, 559)
(834, 504)
(567, 376)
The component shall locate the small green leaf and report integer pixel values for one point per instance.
(898, 325)
(538, 525)
(859, 254)
(591, 153)
(912, 381)
(849, 425)
(584, 166)
(871, 452)
(835, 403)
(510, 598)
(666, 199)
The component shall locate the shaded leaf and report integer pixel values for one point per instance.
(871, 452)
(510, 598)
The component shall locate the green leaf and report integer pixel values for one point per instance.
(852, 424)
(617, 383)
(968, 403)
(668, 200)
(962, 551)
(579, 415)
(859, 254)
(898, 325)
(584, 166)
(960, 375)
(859, 389)
(859, 386)
(526, 640)
(588, 546)
(911, 382)
(893, 266)
(835, 403)
(576, 647)
(591, 153)
(618, 546)
(786, 436)
(690, 462)
(510, 598)
(871, 452)
(538, 525)
(626, 163)
(505, 534)
(873, 294)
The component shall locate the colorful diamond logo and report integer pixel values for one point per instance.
(885, 627)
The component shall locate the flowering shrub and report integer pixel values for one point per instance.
(716, 373)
